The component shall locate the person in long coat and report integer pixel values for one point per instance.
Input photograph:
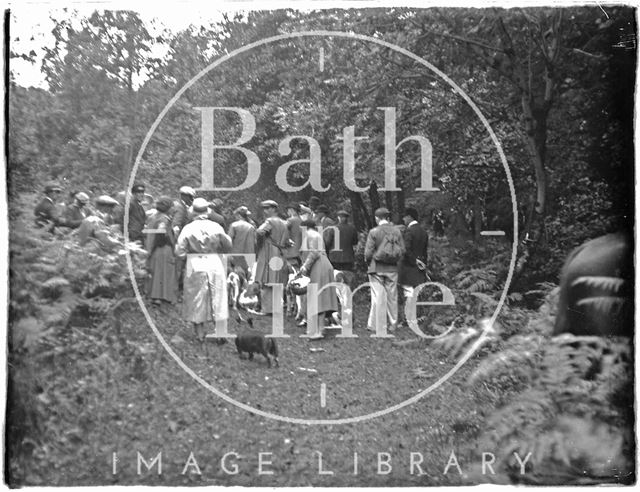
(203, 243)
(316, 265)
(272, 241)
(295, 235)
(411, 267)
(162, 284)
(179, 218)
(243, 240)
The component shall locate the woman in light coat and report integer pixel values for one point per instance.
(317, 266)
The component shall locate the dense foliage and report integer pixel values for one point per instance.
(556, 87)
(567, 132)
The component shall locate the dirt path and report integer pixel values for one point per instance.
(141, 401)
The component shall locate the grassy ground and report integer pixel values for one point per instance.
(89, 381)
(130, 397)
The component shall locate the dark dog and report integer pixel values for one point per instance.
(254, 342)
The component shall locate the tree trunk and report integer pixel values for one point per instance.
(358, 211)
(388, 199)
(374, 198)
(400, 198)
(477, 218)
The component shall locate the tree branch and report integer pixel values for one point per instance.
(590, 55)
(467, 41)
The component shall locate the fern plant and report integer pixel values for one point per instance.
(576, 392)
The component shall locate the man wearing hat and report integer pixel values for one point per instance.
(75, 213)
(215, 212)
(97, 226)
(243, 240)
(341, 252)
(272, 243)
(305, 211)
(203, 242)
(180, 212)
(383, 250)
(411, 269)
(314, 203)
(105, 208)
(322, 217)
(45, 211)
(325, 225)
(180, 217)
(137, 215)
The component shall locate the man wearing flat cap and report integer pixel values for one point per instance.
(272, 243)
(382, 251)
(203, 242)
(325, 225)
(215, 212)
(305, 211)
(75, 213)
(322, 217)
(314, 203)
(137, 215)
(45, 211)
(180, 211)
(243, 240)
(97, 226)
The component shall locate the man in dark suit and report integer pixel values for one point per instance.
(411, 268)
(137, 215)
(45, 211)
(325, 225)
(341, 252)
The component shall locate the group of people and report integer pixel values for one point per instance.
(188, 240)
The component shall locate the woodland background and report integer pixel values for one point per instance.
(86, 376)
(556, 85)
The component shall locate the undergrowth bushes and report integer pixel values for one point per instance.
(59, 292)
(565, 402)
